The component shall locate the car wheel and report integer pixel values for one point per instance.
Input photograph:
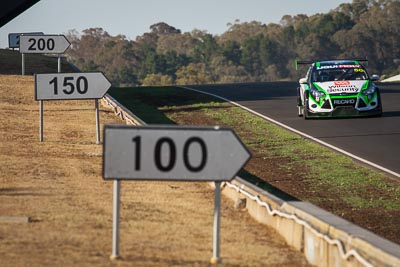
(379, 108)
(300, 111)
(305, 106)
(300, 106)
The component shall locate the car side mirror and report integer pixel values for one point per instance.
(374, 77)
(303, 81)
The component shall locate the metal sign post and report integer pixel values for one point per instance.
(115, 239)
(59, 64)
(23, 64)
(96, 105)
(71, 86)
(41, 120)
(217, 211)
(171, 153)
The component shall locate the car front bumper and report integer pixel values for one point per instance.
(345, 112)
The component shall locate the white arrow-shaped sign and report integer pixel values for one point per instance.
(65, 86)
(43, 44)
(172, 153)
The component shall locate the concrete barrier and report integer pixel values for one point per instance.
(392, 79)
(119, 110)
(325, 239)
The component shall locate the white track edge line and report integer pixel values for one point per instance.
(299, 132)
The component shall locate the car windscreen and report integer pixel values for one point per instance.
(327, 73)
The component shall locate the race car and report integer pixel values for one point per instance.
(338, 88)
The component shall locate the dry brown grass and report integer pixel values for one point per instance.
(58, 184)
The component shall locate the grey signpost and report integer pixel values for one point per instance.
(42, 44)
(71, 86)
(175, 153)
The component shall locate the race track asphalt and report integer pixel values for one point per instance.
(374, 139)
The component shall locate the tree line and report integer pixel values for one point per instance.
(246, 51)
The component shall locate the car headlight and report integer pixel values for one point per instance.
(369, 93)
(318, 95)
(371, 90)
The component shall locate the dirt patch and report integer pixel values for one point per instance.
(58, 184)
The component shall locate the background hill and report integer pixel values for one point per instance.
(246, 52)
(10, 63)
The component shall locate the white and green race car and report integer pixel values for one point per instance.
(339, 88)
